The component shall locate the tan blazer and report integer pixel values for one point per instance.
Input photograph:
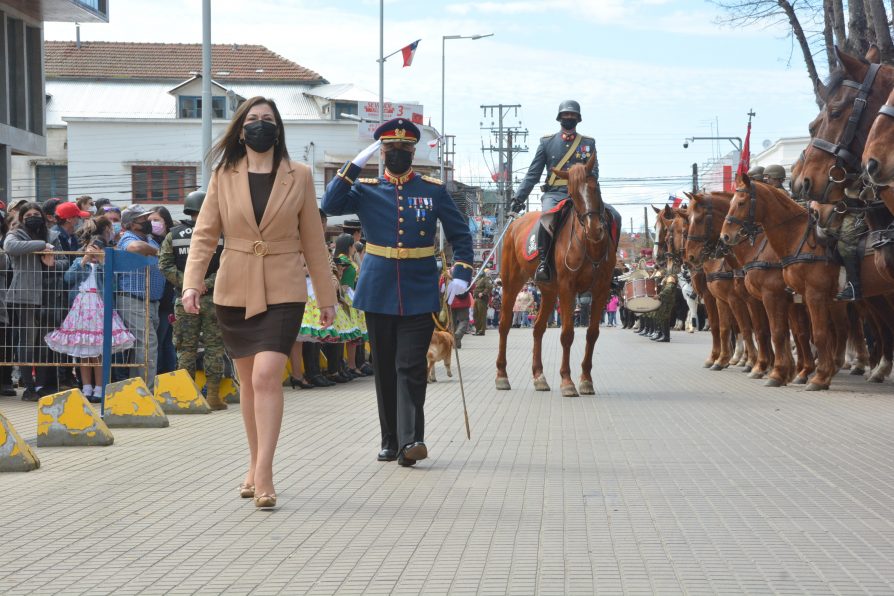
(261, 265)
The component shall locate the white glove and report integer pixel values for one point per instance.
(456, 286)
(364, 155)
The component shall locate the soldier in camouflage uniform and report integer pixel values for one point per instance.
(668, 298)
(852, 228)
(188, 329)
(482, 292)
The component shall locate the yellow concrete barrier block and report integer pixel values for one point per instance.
(129, 404)
(229, 390)
(68, 419)
(201, 379)
(177, 393)
(15, 454)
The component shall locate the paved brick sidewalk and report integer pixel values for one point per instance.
(673, 479)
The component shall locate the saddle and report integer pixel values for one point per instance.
(611, 219)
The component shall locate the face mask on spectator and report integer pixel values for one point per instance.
(33, 224)
(116, 227)
(143, 227)
(158, 227)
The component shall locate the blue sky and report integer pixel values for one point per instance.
(648, 73)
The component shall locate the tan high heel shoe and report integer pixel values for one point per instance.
(265, 501)
(246, 491)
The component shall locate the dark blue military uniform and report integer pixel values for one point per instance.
(550, 154)
(400, 214)
(398, 285)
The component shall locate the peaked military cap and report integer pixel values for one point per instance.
(397, 130)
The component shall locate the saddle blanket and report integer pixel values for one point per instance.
(561, 210)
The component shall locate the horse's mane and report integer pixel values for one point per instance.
(778, 195)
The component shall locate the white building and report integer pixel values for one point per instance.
(124, 119)
(784, 152)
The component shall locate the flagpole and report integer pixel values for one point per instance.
(381, 72)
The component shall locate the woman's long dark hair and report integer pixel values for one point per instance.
(93, 227)
(230, 148)
(41, 234)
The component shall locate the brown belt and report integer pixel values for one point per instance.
(262, 248)
(390, 252)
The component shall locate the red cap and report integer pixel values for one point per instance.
(70, 211)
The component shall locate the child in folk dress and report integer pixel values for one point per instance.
(80, 334)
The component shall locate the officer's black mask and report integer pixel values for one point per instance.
(398, 161)
(568, 123)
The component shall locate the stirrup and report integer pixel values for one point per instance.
(542, 273)
(848, 294)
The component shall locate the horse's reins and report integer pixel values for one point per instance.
(840, 150)
(581, 217)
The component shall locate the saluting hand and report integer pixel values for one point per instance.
(190, 300)
(327, 316)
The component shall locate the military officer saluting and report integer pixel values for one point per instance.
(187, 327)
(398, 284)
(561, 150)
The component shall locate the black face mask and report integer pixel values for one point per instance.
(398, 161)
(568, 123)
(34, 224)
(144, 227)
(260, 135)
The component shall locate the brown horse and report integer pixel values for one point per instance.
(584, 254)
(831, 165)
(769, 303)
(808, 267)
(878, 155)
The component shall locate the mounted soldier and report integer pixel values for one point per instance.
(757, 174)
(774, 175)
(560, 150)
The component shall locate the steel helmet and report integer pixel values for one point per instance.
(774, 171)
(756, 172)
(569, 105)
(193, 202)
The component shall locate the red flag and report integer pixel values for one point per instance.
(745, 157)
(409, 51)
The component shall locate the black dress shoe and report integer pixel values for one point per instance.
(30, 394)
(403, 460)
(320, 381)
(301, 383)
(338, 378)
(367, 369)
(416, 451)
(7, 390)
(387, 455)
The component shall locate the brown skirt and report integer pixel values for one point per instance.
(274, 330)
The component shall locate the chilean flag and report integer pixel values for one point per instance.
(409, 51)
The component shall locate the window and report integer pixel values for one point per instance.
(162, 184)
(191, 106)
(345, 107)
(51, 181)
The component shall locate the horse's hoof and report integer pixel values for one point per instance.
(858, 371)
(771, 382)
(756, 374)
(586, 388)
(708, 363)
(876, 379)
(799, 381)
(540, 384)
(569, 391)
(503, 384)
(816, 387)
(747, 369)
(717, 367)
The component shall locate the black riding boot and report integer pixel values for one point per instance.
(666, 332)
(852, 290)
(544, 247)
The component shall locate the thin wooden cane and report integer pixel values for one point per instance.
(459, 370)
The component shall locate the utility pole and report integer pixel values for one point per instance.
(646, 225)
(207, 109)
(695, 178)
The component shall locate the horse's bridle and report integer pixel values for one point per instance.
(581, 217)
(840, 150)
(749, 227)
(711, 249)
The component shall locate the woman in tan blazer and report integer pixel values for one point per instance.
(265, 208)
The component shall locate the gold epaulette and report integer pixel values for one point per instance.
(368, 180)
(432, 179)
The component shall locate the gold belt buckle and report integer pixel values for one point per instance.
(260, 248)
(403, 253)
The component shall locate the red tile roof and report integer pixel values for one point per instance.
(175, 61)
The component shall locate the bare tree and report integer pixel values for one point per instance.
(838, 26)
(775, 12)
(881, 29)
(857, 42)
(828, 38)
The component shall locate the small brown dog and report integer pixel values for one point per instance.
(440, 348)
